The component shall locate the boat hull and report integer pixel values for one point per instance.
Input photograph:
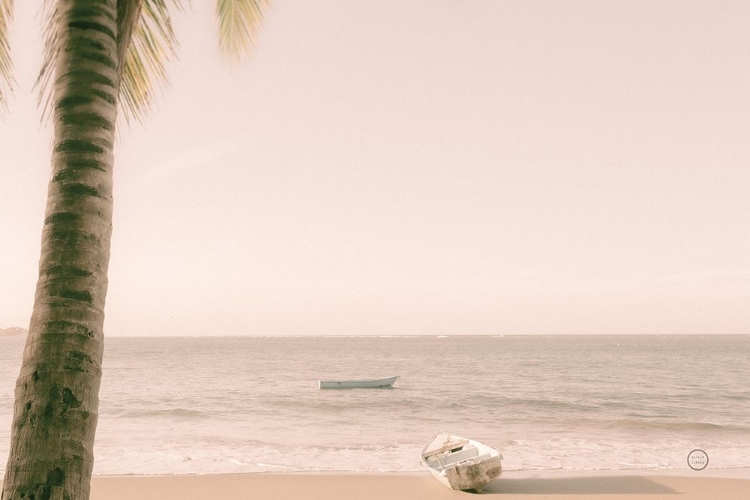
(379, 383)
(460, 463)
(474, 476)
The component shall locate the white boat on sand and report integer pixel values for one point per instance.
(460, 463)
(376, 383)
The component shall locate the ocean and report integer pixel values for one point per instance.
(240, 404)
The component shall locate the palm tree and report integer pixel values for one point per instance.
(99, 54)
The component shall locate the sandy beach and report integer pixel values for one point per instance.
(727, 485)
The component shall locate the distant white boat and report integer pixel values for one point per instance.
(460, 463)
(377, 383)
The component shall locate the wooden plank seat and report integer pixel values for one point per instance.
(459, 456)
(452, 445)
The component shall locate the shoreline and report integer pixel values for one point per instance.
(732, 473)
(727, 484)
(528, 485)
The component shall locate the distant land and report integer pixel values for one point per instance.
(13, 331)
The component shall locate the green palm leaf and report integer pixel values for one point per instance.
(146, 42)
(238, 25)
(6, 79)
(151, 45)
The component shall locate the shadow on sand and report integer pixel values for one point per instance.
(578, 486)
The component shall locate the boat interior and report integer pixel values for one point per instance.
(464, 453)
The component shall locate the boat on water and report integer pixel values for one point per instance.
(376, 383)
(460, 463)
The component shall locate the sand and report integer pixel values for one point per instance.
(422, 486)
(734, 485)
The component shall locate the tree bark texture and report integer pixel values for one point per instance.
(57, 393)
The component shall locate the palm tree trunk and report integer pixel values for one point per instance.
(57, 393)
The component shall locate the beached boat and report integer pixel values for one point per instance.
(377, 383)
(460, 463)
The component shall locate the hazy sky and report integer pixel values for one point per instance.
(421, 167)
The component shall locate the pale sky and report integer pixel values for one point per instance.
(421, 167)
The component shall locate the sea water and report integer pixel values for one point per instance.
(250, 404)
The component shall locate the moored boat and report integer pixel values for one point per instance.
(460, 463)
(376, 383)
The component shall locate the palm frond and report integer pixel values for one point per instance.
(6, 67)
(145, 42)
(152, 44)
(238, 24)
(128, 13)
(51, 14)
